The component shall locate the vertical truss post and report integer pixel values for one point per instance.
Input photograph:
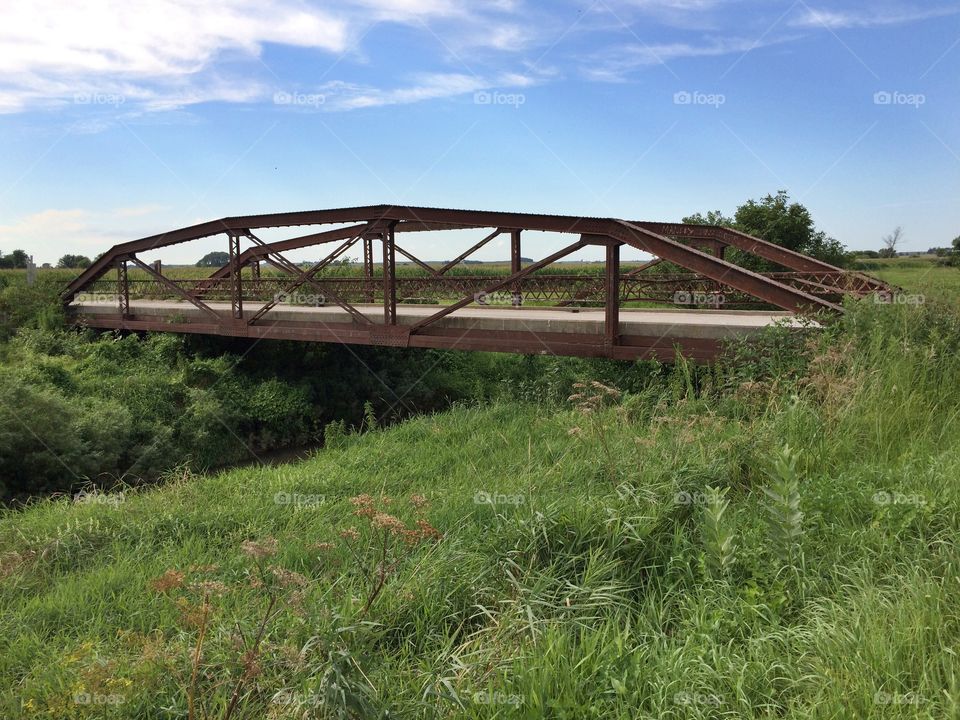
(389, 278)
(515, 265)
(255, 269)
(123, 289)
(236, 285)
(612, 316)
(368, 268)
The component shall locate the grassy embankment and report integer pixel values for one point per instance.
(584, 567)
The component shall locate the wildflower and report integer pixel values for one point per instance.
(168, 581)
(428, 531)
(211, 587)
(323, 546)
(259, 549)
(418, 501)
(387, 522)
(363, 505)
(289, 578)
(350, 534)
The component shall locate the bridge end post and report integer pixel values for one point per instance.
(612, 296)
(236, 286)
(389, 277)
(123, 289)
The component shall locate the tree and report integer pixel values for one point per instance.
(713, 217)
(890, 243)
(16, 259)
(777, 220)
(73, 261)
(214, 259)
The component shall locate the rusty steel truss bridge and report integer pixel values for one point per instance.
(689, 298)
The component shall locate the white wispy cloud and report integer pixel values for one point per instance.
(156, 52)
(874, 17)
(345, 96)
(617, 63)
(48, 233)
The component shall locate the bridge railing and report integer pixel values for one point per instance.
(567, 290)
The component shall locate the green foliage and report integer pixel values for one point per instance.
(550, 594)
(775, 219)
(73, 261)
(718, 534)
(214, 259)
(784, 517)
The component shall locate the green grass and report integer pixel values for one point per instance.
(586, 589)
(921, 274)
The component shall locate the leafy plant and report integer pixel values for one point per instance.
(718, 534)
(783, 514)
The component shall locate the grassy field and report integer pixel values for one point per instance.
(921, 274)
(769, 539)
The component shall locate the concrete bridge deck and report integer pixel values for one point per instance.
(535, 330)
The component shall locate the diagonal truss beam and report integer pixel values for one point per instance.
(305, 277)
(776, 293)
(176, 288)
(464, 255)
(533, 267)
(281, 263)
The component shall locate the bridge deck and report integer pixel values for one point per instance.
(535, 330)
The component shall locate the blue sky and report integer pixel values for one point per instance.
(120, 120)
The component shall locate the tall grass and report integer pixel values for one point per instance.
(560, 587)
